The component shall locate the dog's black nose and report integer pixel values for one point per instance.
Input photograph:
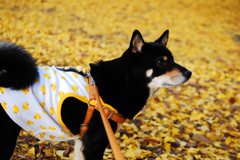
(187, 73)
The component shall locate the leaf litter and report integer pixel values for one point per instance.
(198, 120)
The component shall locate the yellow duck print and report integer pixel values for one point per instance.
(70, 136)
(60, 94)
(43, 89)
(36, 80)
(37, 116)
(52, 111)
(16, 109)
(86, 79)
(4, 105)
(52, 128)
(55, 72)
(42, 105)
(29, 122)
(2, 90)
(87, 87)
(75, 75)
(63, 131)
(63, 78)
(42, 135)
(51, 137)
(42, 127)
(61, 137)
(25, 106)
(75, 88)
(46, 68)
(46, 76)
(26, 90)
(54, 86)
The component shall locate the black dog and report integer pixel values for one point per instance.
(125, 83)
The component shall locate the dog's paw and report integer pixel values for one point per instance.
(78, 150)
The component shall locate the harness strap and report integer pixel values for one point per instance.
(112, 139)
(90, 109)
(109, 112)
(111, 115)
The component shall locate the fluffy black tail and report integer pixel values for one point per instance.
(18, 69)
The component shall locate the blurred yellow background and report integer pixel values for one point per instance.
(204, 37)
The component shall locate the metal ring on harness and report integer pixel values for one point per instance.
(110, 111)
(81, 127)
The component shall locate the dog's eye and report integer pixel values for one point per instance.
(160, 62)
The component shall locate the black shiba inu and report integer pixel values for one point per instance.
(125, 83)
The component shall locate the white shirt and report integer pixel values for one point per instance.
(37, 109)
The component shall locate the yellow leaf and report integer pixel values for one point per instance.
(238, 155)
(168, 139)
(182, 143)
(124, 137)
(204, 128)
(31, 152)
(150, 144)
(164, 155)
(123, 144)
(60, 153)
(217, 144)
(130, 154)
(196, 116)
(138, 151)
(228, 140)
(167, 147)
(192, 150)
(108, 150)
(174, 131)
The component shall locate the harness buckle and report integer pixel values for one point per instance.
(88, 102)
(110, 111)
(89, 75)
(81, 127)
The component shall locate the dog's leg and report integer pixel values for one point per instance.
(8, 135)
(95, 139)
(78, 150)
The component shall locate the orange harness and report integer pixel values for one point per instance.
(110, 112)
(106, 114)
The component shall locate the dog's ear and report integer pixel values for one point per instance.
(164, 38)
(136, 42)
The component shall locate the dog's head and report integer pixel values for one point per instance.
(153, 63)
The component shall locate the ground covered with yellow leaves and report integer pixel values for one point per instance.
(199, 120)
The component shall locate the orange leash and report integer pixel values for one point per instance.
(106, 114)
(111, 137)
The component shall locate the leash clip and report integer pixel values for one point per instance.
(110, 111)
(89, 75)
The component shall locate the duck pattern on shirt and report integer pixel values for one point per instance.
(37, 109)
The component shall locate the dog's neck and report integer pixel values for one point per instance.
(118, 87)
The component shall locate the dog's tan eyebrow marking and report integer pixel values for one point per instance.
(165, 58)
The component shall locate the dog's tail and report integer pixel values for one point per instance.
(18, 69)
